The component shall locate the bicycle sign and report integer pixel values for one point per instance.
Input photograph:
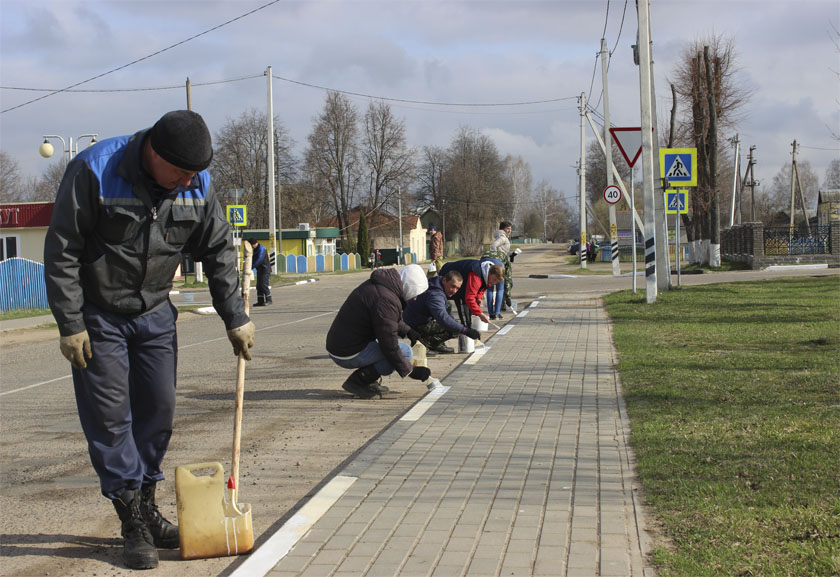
(612, 194)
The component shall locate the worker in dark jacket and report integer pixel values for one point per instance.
(126, 209)
(478, 275)
(428, 316)
(365, 334)
(260, 261)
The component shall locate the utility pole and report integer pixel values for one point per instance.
(199, 266)
(616, 268)
(649, 177)
(794, 174)
(582, 249)
(272, 225)
(736, 181)
(752, 182)
(399, 210)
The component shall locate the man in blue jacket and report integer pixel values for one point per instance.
(126, 210)
(260, 262)
(428, 316)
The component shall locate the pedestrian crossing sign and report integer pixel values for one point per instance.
(676, 201)
(678, 166)
(237, 214)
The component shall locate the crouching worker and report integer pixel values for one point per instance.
(365, 334)
(478, 275)
(428, 316)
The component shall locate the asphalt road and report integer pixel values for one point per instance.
(299, 425)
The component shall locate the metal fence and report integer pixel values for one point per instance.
(22, 285)
(783, 241)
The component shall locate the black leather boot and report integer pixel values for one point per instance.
(363, 383)
(164, 533)
(139, 551)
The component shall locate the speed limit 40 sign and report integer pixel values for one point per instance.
(612, 194)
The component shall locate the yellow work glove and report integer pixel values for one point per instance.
(76, 348)
(242, 339)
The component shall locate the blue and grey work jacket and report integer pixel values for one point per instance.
(111, 244)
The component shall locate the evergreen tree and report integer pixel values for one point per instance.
(363, 244)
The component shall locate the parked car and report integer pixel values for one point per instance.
(574, 247)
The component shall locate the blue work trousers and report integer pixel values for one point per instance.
(263, 287)
(372, 355)
(126, 395)
(495, 298)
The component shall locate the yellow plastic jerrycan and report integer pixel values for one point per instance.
(210, 524)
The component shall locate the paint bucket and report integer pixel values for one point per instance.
(479, 324)
(465, 344)
(418, 358)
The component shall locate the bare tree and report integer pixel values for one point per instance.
(519, 173)
(706, 79)
(45, 188)
(777, 198)
(429, 192)
(550, 215)
(332, 157)
(832, 175)
(240, 162)
(10, 179)
(388, 157)
(476, 192)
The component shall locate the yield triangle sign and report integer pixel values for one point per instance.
(629, 141)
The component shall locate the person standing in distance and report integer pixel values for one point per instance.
(261, 263)
(126, 210)
(436, 247)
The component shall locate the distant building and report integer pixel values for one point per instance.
(384, 231)
(23, 228)
(828, 207)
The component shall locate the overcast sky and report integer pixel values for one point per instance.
(424, 55)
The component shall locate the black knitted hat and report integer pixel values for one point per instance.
(181, 138)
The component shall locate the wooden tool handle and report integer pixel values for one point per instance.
(237, 419)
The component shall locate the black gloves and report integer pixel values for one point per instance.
(414, 336)
(472, 333)
(420, 373)
(512, 256)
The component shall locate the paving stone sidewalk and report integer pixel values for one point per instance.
(520, 468)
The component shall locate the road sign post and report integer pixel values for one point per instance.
(676, 202)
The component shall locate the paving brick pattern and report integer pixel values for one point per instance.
(521, 468)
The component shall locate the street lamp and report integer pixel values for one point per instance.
(47, 149)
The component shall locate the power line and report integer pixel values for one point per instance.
(151, 88)
(306, 84)
(143, 58)
(430, 103)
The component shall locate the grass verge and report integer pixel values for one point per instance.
(732, 392)
(22, 314)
